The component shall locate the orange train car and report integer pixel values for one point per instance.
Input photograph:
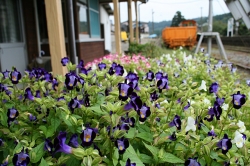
(184, 35)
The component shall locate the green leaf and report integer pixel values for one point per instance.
(145, 136)
(130, 153)
(55, 122)
(97, 109)
(146, 159)
(37, 153)
(73, 161)
(18, 148)
(170, 158)
(115, 157)
(152, 149)
(43, 163)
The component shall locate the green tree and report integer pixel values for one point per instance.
(177, 19)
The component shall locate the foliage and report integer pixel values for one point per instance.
(177, 19)
(170, 110)
(150, 49)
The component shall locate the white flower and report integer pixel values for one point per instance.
(225, 106)
(203, 85)
(242, 126)
(206, 101)
(239, 139)
(125, 72)
(94, 67)
(190, 124)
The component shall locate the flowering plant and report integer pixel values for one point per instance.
(122, 110)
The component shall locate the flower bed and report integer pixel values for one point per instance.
(122, 110)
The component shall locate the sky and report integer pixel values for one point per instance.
(164, 10)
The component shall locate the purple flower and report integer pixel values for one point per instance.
(131, 76)
(21, 159)
(119, 70)
(131, 122)
(6, 74)
(12, 114)
(15, 76)
(38, 95)
(124, 126)
(225, 144)
(47, 77)
(65, 61)
(162, 83)
(80, 64)
(54, 83)
(143, 113)
(135, 102)
(70, 80)
(150, 75)
(102, 66)
(112, 68)
(86, 71)
(31, 117)
(128, 163)
(28, 94)
(172, 137)
(192, 162)
(124, 91)
(187, 106)
(60, 145)
(220, 101)
(214, 87)
(158, 75)
(176, 122)
(74, 103)
(48, 146)
(238, 100)
(87, 136)
(74, 141)
(122, 144)
(154, 96)
(212, 133)
(214, 111)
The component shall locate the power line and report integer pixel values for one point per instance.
(170, 3)
(221, 6)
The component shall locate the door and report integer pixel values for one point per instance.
(12, 46)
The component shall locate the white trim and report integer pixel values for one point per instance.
(89, 40)
(94, 10)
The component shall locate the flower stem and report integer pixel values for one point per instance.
(225, 121)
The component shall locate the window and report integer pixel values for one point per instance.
(10, 27)
(83, 21)
(88, 19)
(42, 21)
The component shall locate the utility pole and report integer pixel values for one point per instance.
(153, 22)
(210, 26)
(201, 21)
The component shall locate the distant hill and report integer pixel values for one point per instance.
(218, 19)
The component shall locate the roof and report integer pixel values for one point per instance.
(111, 1)
(108, 8)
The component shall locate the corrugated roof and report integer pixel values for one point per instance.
(111, 1)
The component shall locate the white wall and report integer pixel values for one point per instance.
(104, 19)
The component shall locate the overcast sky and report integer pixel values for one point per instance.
(164, 10)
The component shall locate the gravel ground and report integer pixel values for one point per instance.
(240, 59)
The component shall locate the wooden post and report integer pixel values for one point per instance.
(130, 22)
(136, 20)
(56, 35)
(117, 27)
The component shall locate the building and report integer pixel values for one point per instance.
(79, 29)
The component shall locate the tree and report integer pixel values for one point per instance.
(177, 19)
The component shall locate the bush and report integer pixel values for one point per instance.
(119, 110)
